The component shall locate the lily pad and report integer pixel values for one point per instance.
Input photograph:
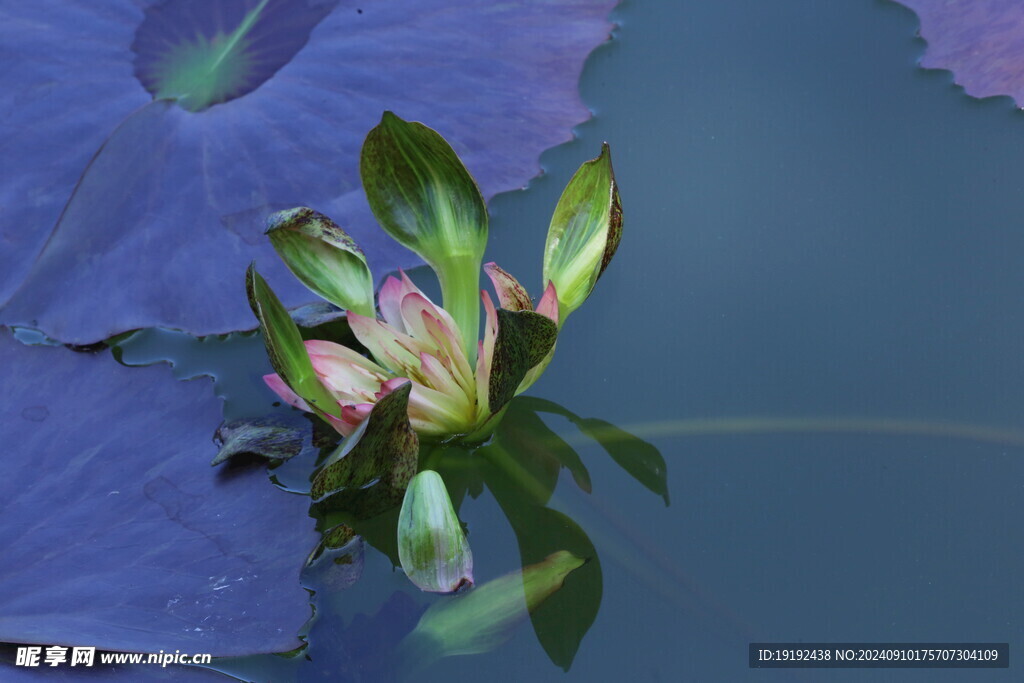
(109, 185)
(980, 41)
(116, 532)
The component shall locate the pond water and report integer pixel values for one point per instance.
(814, 316)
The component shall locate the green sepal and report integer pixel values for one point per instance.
(432, 547)
(524, 340)
(284, 345)
(323, 257)
(584, 233)
(423, 196)
(384, 447)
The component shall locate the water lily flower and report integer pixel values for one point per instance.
(419, 342)
(424, 197)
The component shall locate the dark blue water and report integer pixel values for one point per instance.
(815, 228)
(815, 315)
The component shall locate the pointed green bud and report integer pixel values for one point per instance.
(323, 257)
(432, 547)
(284, 345)
(584, 233)
(424, 197)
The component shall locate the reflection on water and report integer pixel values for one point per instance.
(520, 468)
(559, 584)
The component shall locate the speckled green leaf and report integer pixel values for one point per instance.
(424, 197)
(323, 257)
(284, 345)
(432, 547)
(260, 436)
(584, 233)
(384, 448)
(524, 339)
(421, 193)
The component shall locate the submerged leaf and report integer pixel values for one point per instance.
(323, 257)
(523, 432)
(484, 618)
(431, 544)
(117, 536)
(561, 622)
(584, 233)
(384, 448)
(266, 437)
(640, 459)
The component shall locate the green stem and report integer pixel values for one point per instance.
(460, 292)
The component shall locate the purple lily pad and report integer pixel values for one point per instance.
(116, 531)
(121, 211)
(980, 41)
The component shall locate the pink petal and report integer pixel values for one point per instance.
(511, 294)
(274, 381)
(434, 328)
(433, 413)
(486, 354)
(356, 413)
(409, 287)
(351, 417)
(347, 375)
(396, 351)
(441, 377)
(548, 304)
(339, 353)
(342, 427)
(414, 305)
(389, 386)
(390, 302)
